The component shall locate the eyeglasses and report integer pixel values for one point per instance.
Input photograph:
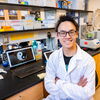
(64, 33)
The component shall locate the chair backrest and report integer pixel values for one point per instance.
(96, 79)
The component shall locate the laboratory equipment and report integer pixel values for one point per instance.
(92, 44)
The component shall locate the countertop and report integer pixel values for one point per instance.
(12, 85)
(93, 52)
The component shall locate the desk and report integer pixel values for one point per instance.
(12, 85)
(33, 93)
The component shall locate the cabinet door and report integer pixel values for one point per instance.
(33, 93)
(45, 92)
(97, 60)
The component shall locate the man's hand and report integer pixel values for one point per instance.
(82, 82)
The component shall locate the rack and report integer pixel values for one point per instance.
(17, 31)
(10, 6)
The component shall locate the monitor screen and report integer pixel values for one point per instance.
(20, 56)
(47, 54)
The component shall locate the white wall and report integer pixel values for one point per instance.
(93, 4)
(96, 4)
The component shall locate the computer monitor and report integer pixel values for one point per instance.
(20, 56)
(47, 54)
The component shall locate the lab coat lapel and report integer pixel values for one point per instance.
(74, 60)
(61, 61)
(72, 65)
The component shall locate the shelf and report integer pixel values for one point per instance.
(12, 15)
(2, 16)
(10, 6)
(26, 30)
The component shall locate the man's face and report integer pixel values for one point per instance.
(67, 34)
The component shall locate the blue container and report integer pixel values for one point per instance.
(5, 63)
(59, 4)
(1, 49)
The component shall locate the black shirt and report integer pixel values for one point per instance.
(66, 60)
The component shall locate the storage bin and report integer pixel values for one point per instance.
(12, 1)
(37, 25)
(16, 24)
(28, 24)
(36, 2)
(4, 1)
(49, 3)
(78, 4)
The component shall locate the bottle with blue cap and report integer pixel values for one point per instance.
(35, 46)
(37, 49)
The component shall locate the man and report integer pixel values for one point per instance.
(50, 42)
(70, 71)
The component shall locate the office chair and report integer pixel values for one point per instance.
(96, 79)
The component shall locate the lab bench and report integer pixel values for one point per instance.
(28, 88)
(31, 87)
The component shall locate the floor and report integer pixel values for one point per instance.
(97, 94)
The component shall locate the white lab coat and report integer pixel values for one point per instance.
(51, 43)
(66, 87)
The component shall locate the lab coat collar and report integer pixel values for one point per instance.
(77, 56)
(73, 61)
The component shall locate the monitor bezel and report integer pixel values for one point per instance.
(46, 53)
(12, 66)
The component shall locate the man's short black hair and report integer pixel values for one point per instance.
(66, 18)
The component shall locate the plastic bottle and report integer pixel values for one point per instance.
(34, 46)
(39, 51)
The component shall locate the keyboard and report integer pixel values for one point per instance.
(28, 69)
